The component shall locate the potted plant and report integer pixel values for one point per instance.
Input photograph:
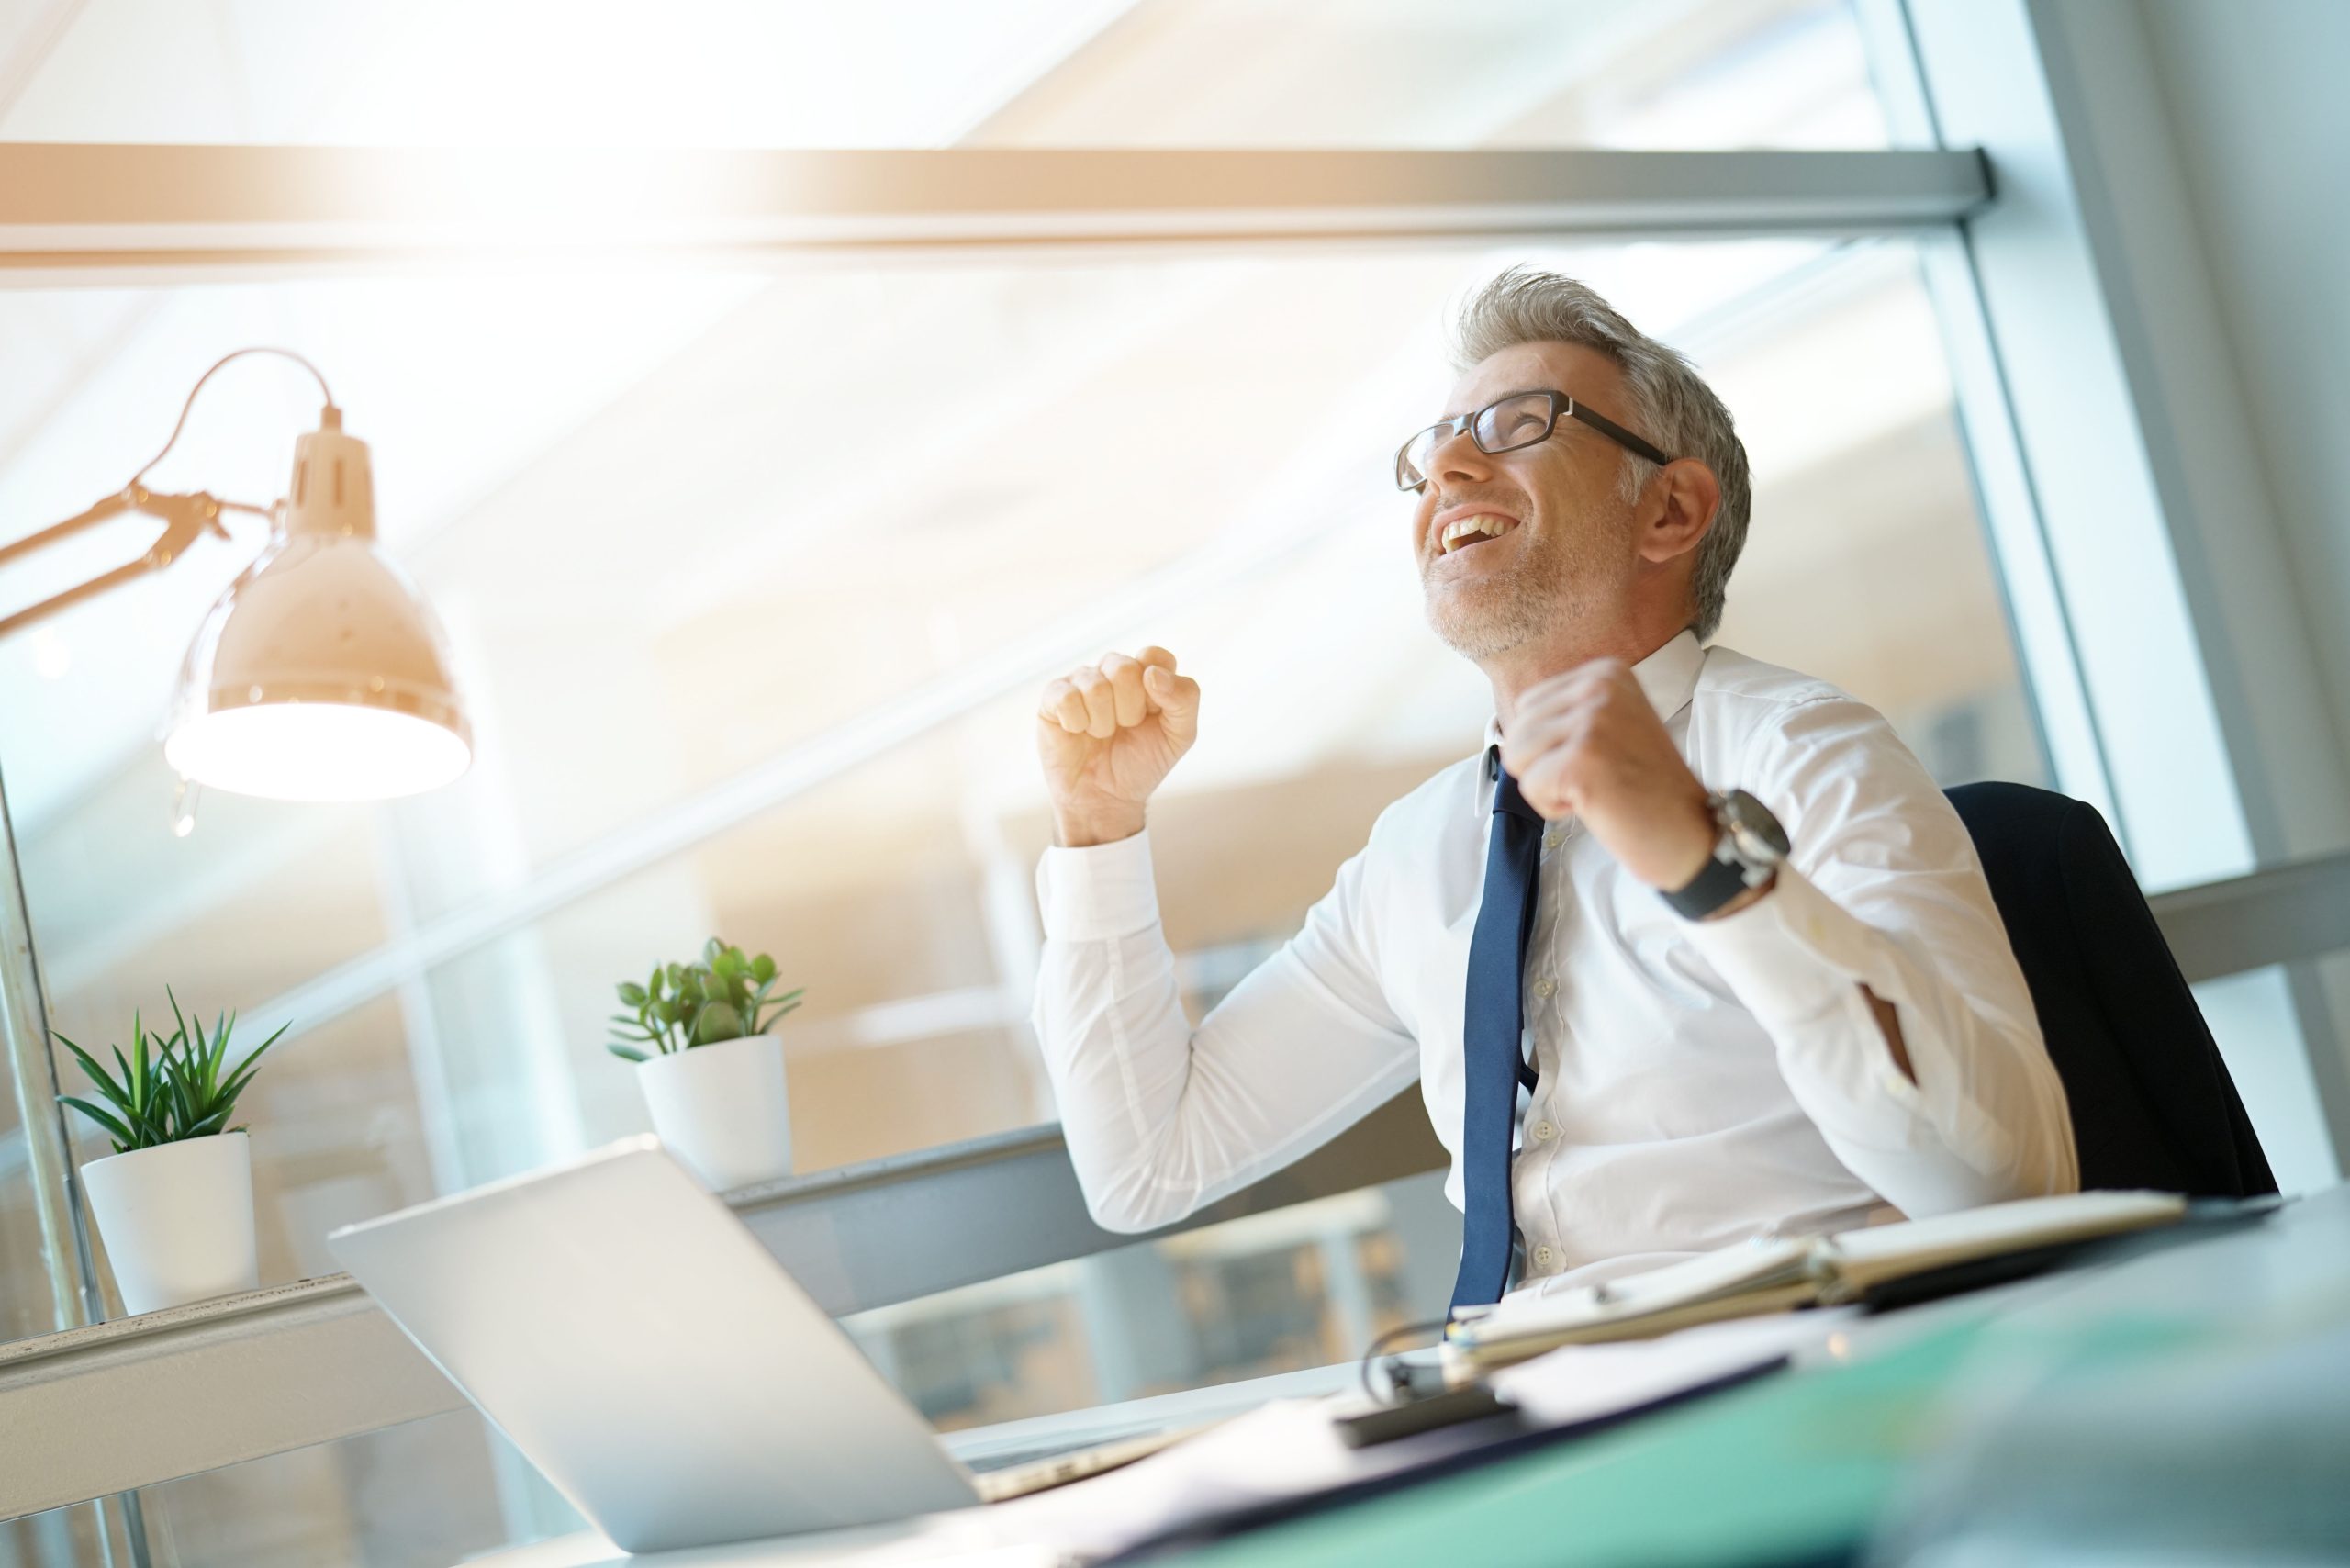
(174, 1200)
(714, 1076)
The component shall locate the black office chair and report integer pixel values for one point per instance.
(2152, 1102)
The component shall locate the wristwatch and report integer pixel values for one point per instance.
(1746, 854)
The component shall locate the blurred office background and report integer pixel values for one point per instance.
(693, 524)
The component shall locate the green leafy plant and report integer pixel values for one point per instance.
(722, 996)
(170, 1088)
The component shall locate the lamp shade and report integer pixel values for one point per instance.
(321, 674)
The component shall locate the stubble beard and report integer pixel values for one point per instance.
(1487, 619)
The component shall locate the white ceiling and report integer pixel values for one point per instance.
(933, 73)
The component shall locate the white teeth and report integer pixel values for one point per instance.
(1460, 528)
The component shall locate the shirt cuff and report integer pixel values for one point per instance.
(1791, 955)
(1098, 893)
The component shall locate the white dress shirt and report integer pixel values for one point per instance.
(1700, 1081)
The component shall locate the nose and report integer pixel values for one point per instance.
(1456, 458)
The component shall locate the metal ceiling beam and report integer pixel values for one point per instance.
(67, 209)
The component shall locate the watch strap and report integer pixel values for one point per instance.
(1721, 880)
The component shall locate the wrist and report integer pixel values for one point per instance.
(1686, 851)
(1083, 830)
(1749, 847)
(1753, 895)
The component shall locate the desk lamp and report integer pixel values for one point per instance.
(319, 675)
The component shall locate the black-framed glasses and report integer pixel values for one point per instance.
(1522, 418)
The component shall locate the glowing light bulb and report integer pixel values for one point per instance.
(316, 751)
(321, 674)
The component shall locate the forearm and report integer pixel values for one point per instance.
(1959, 1105)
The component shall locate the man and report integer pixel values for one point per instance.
(1693, 948)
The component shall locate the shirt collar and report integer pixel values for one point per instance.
(1667, 677)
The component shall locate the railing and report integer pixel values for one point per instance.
(245, 1376)
(2287, 912)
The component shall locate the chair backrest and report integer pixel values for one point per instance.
(2153, 1104)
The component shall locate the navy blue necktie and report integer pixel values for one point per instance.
(1491, 1061)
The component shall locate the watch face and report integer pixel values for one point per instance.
(1756, 832)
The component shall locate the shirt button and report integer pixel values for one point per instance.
(1555, 837)
(1544, 1257)
(1545, 986)
(1544, 1132)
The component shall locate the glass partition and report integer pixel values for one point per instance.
(751, 632)
(2252, 1017)
(752, 577)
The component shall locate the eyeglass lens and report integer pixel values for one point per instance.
(1505, 426)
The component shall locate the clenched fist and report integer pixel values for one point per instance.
(1588, 743)
(1108, 735)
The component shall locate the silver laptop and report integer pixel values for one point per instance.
(640, 1346)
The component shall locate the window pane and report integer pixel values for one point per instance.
(2252, 1017)
(751, 612)
(751, 588)
(751, 575)
(1186, 73)
(1307, 1286)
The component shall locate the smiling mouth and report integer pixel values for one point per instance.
(1466, 533)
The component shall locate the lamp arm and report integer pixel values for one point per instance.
(74, 596)
(112, 506)
(186, 518)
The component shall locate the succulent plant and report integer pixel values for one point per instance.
(723, 995)
(170, 1088)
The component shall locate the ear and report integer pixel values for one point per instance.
(1676, 509)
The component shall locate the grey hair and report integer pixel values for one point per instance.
(1671, 405)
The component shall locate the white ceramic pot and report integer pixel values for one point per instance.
(177, 1219)
(721, 1110)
